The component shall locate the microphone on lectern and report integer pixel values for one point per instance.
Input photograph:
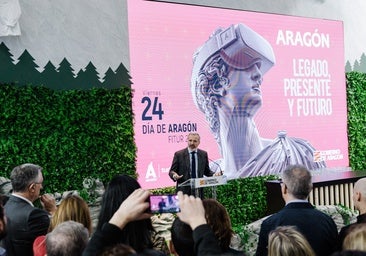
(212, 161)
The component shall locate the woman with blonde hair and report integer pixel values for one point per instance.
(356, 238)
(72, 207)
(288, 241)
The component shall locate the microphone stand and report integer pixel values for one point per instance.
(213, 189)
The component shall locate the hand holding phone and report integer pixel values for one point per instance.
(164, 204)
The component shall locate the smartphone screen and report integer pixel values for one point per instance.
(164, 204)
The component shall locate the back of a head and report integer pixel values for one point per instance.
(21, 176)
(67, 239)
(219, 220)
(287, 241)
(297, 178)
(182, 239)
(118, 250)
(360, 184)
(2, 220)
(360, 187)
(349, 253)
(118, 189)
(72, 207)
(356, 238)
(137, 233)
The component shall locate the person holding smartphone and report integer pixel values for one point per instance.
(188, 163)
(135, 208)
(139, 234)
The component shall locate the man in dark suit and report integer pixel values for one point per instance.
(181, 168)
(318, 227)
(24, 221)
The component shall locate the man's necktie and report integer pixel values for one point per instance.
(193, 165)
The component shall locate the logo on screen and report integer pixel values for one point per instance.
(150, 173)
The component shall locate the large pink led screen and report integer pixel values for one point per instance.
(262, 90)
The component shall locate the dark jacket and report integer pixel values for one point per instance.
(345, 230)
(318, 227)
(24, 224)
(205, 243)
(181, 165)
(109, 235)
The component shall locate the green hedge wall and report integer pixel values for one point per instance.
(356, 104)
(244, 199)
(72, 134)
(77, 134)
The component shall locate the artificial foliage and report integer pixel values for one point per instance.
(73, 134)
(356, 109)
(77, 134)
(244, 199)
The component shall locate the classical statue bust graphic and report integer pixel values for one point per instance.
(226, 84)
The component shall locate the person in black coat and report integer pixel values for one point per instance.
(2, 225)
(317, 227)
(181, 168)
(139, 234)
(24, 221)
(135, 207)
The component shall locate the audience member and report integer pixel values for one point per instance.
(356, 238)
(219, 220)
(138, 234)
(72, 207)
(181, 243)
(135, 207)
(288, 241)
(2, 227)
(69, 238)
(193, 213)
(118, 250)
(132, 209)
(359, 201)
(24, 221)
(317, 227)
(349, 253)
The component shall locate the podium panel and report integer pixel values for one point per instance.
(198, 183)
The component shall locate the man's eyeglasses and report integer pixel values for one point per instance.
(37, 183)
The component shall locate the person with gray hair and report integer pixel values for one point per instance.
(24, 221)
(69, 238)
(226, 85)
(318, 228)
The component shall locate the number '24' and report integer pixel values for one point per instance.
(157, 109)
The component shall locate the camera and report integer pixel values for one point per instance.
(164, 204)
